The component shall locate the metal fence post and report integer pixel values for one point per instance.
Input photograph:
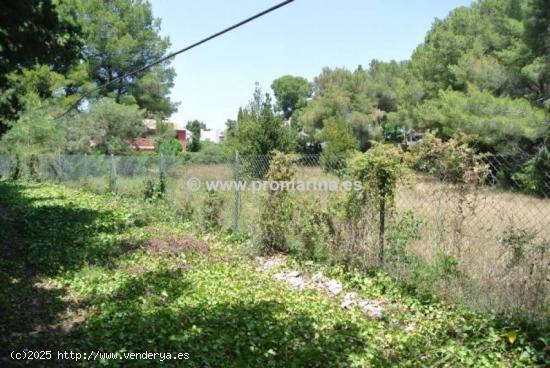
(237, 208)
(162, 174)
(113, 177)
(60, 168)
(85, 168)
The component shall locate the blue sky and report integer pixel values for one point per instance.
(216, 78)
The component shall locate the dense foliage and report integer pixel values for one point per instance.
(258, 130)
(92, 43)
(194, 127)
(31, 33)
(291, 93)
(122, 36)
(482, 71)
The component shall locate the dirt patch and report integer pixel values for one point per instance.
(171, 244)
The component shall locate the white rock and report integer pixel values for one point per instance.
(370, 309)
(281, 276)
(270, 263)
(318, 276)
(293, 273)
(349, 300)
(333, 287)
(297, 282)
(292, 278)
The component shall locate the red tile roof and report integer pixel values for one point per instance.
(143, 144)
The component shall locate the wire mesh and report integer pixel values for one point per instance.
(499, 228)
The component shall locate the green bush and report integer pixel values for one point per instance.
(185, 211)
(155, 189)
(452, 161)
(211, 211)
(170, 147)
(210, 153)
(276, 209)
(311, 229)
(400, 233)
(378, 170)
(534, 176)
(340, 144)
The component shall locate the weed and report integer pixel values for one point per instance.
(211, 211)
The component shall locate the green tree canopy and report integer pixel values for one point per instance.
(195, 127)
(258, 130)
(343, 95)
(35, 130)
(497, 123)
(339, 142)
(291, 93)
(537, 37)
(32, 33)
(106, 127)
(485, 44)
(121, 36)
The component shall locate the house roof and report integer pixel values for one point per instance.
(141, 143)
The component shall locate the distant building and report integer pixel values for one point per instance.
(147, 142)
(143, 144)
(213, 135)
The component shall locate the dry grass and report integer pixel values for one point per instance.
(477, 237)
(474, 232)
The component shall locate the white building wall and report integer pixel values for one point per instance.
(212, 135)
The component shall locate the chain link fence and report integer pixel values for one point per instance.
(486, 244)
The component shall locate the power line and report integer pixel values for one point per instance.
(169, 56)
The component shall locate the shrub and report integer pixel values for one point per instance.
(311, 230)
(185, 211)
(400, 234)
(534, 176)
(452, 161)
(340, 144)
(170, 147)
(211, 211)
(23, 166)
(456, 163)
(378, 170)
(210, 153)
(155, 189)
(526, 254)
(276, 210)
(446, 267)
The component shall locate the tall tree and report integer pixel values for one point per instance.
(195, 128)
(481, 43)
(121, 36)
(384, 77)
(537, 36)
(345, 96)
(32, 33)
(106, 127)
(291, 93)
(339, 141)
(258, 130)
